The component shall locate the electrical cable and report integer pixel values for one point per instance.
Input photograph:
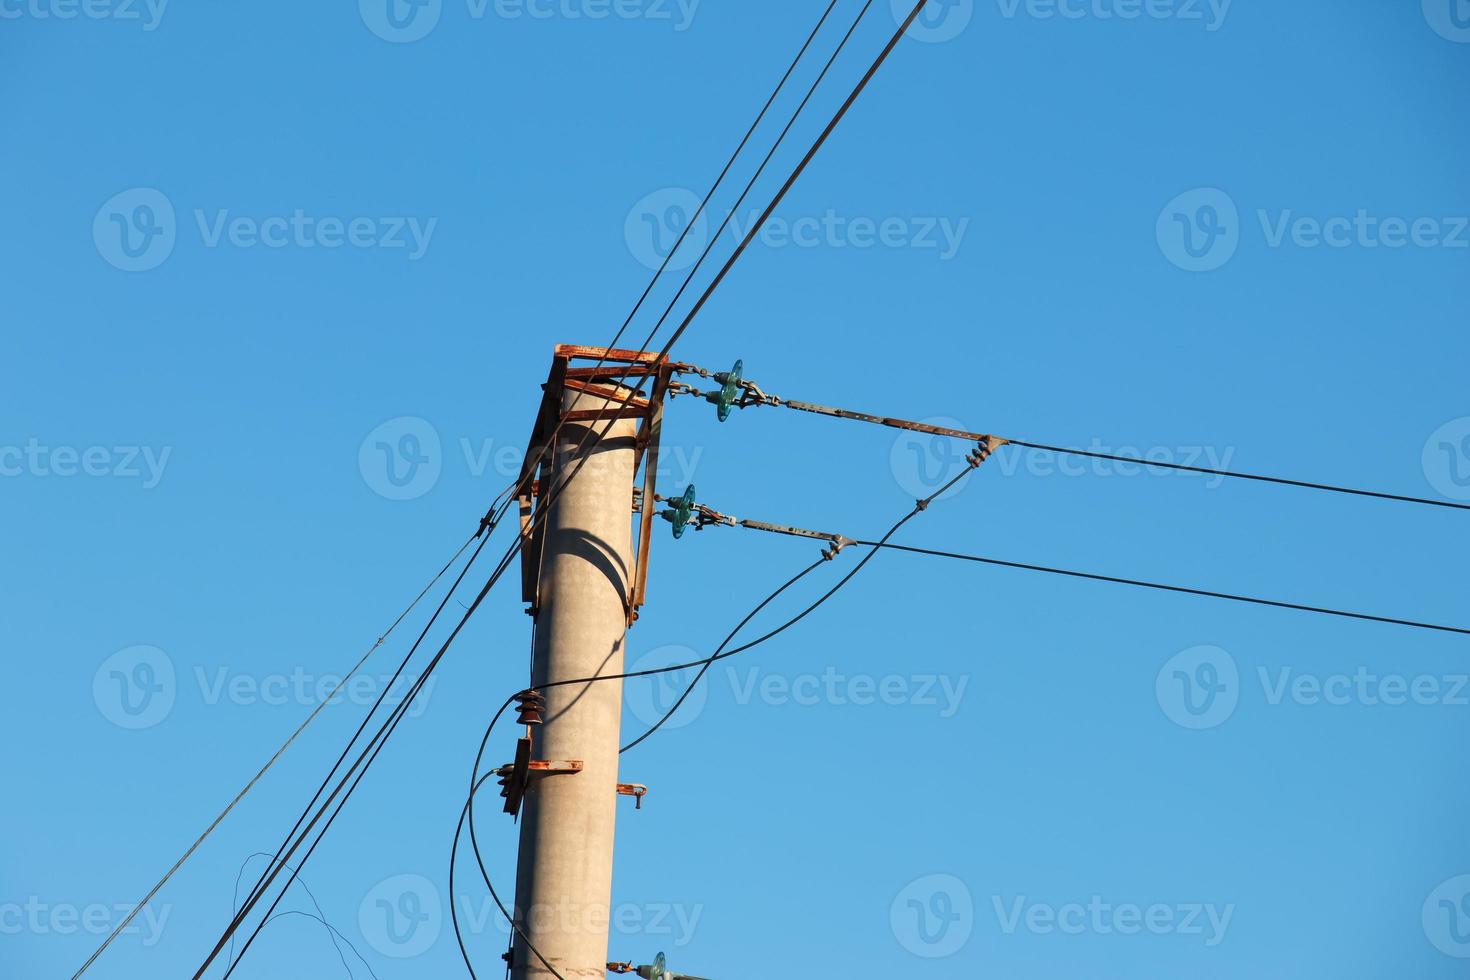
(720, 654)
(320, 916)
(273, 870)
(121, 926)
(688, 320)
(753, 396)
(1166, 588)
(694, 218)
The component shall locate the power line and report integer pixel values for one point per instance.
(320, 916)
(750, 185)
(693, 219)
(391, 723)
(757, 225)
(282, 853)
(753, 396)
(709, 517)
(476, 781)
(1167, 588)
(188, 853)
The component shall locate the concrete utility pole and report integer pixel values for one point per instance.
(564, 879)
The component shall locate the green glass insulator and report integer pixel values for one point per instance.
(729, 392)
(681, 512)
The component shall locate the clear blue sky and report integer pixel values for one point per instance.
(1227, 231)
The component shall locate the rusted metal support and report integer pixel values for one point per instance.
(636, 790)
(614, 365)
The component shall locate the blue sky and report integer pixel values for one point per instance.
(247, 244)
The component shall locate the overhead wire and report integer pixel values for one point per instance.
(753, 396)
(269, 763)
(755, 228)
(1139, 583)
(283, 854)
(706, 516)
(540, 451)
(476, 781)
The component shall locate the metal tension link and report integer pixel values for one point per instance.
(635, 790)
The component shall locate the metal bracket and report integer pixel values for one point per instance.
(600, 379)
(515, 777)
(635, 790)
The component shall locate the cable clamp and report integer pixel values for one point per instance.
(838, 542)
(983, 450)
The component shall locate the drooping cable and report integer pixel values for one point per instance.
(250, 784)
(720, 654)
